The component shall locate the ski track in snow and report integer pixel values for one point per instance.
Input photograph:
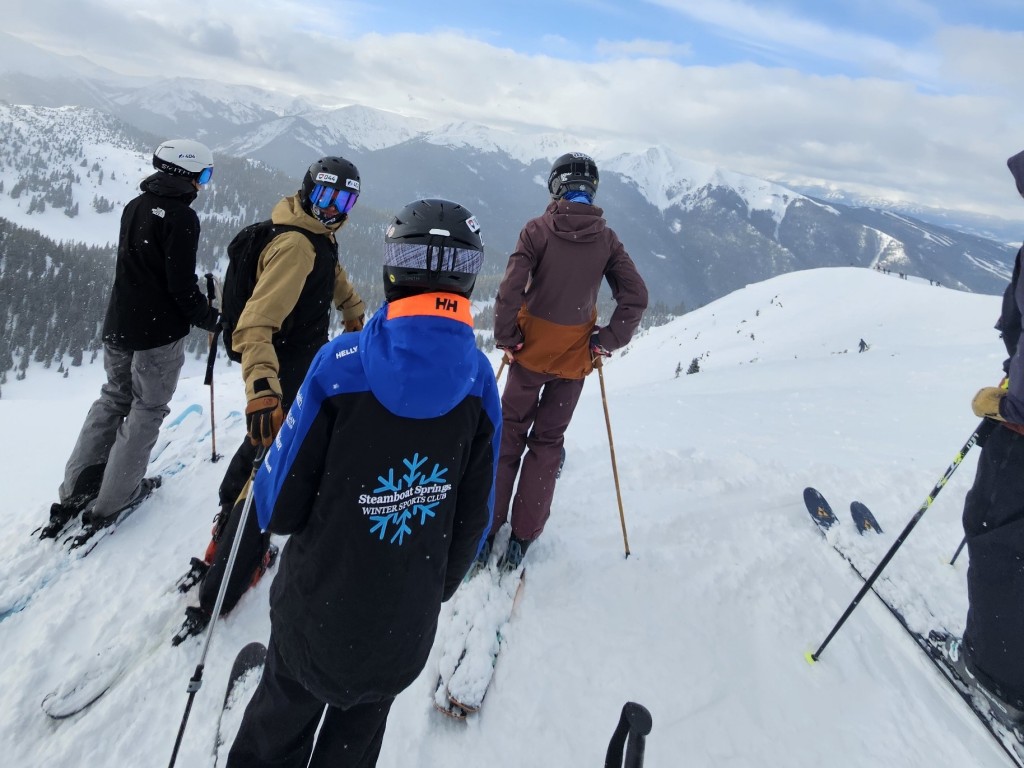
(706, 623)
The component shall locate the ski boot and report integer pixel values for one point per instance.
(483, 556)
(514, 554)
(269, 558)
(196, 620)
(60, 516)
(196, 571)
(954, 656)
(93, 523)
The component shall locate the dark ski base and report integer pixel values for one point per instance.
(251, 657)
(820, 511)
(863, 519)
(1009, 743)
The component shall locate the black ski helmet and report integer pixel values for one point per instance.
(330, 180)
(432, 245)
(573, 170)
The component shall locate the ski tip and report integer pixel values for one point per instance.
(819, 509)
(864, 519)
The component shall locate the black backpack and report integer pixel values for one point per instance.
(240, 278)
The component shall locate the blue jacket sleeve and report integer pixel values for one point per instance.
(288, 481)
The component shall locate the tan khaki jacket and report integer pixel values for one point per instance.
(280, 275)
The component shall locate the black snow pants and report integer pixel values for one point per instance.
(994, 526)
(279, 728)
(253, 547)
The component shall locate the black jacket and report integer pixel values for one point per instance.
(156, 296)
(1012, 406)
(383, 475)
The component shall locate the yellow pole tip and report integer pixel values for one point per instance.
(809, 658)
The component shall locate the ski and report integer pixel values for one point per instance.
(42, 563)
(863, 519)
(491, 600)
(241, 682)
(1011, 744)
(109, 666)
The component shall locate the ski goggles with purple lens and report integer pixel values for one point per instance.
(323, 197)
(432, 258)
(205, 175)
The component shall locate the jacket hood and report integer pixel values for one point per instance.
(165, 185)
(420, 362)
(289, 211)
(1016, 166)
(577, 222)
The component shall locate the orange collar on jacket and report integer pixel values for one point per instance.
(449, 305)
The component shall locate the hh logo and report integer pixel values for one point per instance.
(449, 305)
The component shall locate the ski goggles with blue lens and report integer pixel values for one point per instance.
(205, 176)
(323, 196)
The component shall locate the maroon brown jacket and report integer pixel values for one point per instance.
(548, 298)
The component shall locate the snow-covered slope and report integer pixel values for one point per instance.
(706, 623)
(84, 148)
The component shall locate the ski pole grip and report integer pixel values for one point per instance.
(211, 289)
(261, 454)
(634, 724)
(639, 718)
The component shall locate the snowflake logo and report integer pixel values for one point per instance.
(402, 500)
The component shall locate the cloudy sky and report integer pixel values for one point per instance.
(916, 100)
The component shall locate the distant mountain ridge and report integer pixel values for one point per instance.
(696, 231)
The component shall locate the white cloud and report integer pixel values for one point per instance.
(659, 49)
(944, 146)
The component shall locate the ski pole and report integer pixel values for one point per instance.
(634, 724)
(504, 362)
(956, 554)
(611, 448)
(196, 682)
(983, 430)
(211, 294)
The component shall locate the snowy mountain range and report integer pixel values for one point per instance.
(75, 140)
(706, 623)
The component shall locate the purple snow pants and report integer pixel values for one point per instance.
(536, 410)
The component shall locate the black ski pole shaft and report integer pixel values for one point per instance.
(211, 294)
(196, 682)
(952, 560)
(631, 733)
(984, 428)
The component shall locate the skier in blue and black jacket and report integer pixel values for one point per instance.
(382, 527)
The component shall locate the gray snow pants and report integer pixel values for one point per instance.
(122, 425)
(536, 409)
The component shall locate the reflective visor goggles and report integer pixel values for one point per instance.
(205, 175)
(324, 197)
(432, 258)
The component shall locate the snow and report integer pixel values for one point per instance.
(667, 180)
(706, 624)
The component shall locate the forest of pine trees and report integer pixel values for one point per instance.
(53, 295)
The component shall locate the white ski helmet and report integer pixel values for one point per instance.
(186, 158)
